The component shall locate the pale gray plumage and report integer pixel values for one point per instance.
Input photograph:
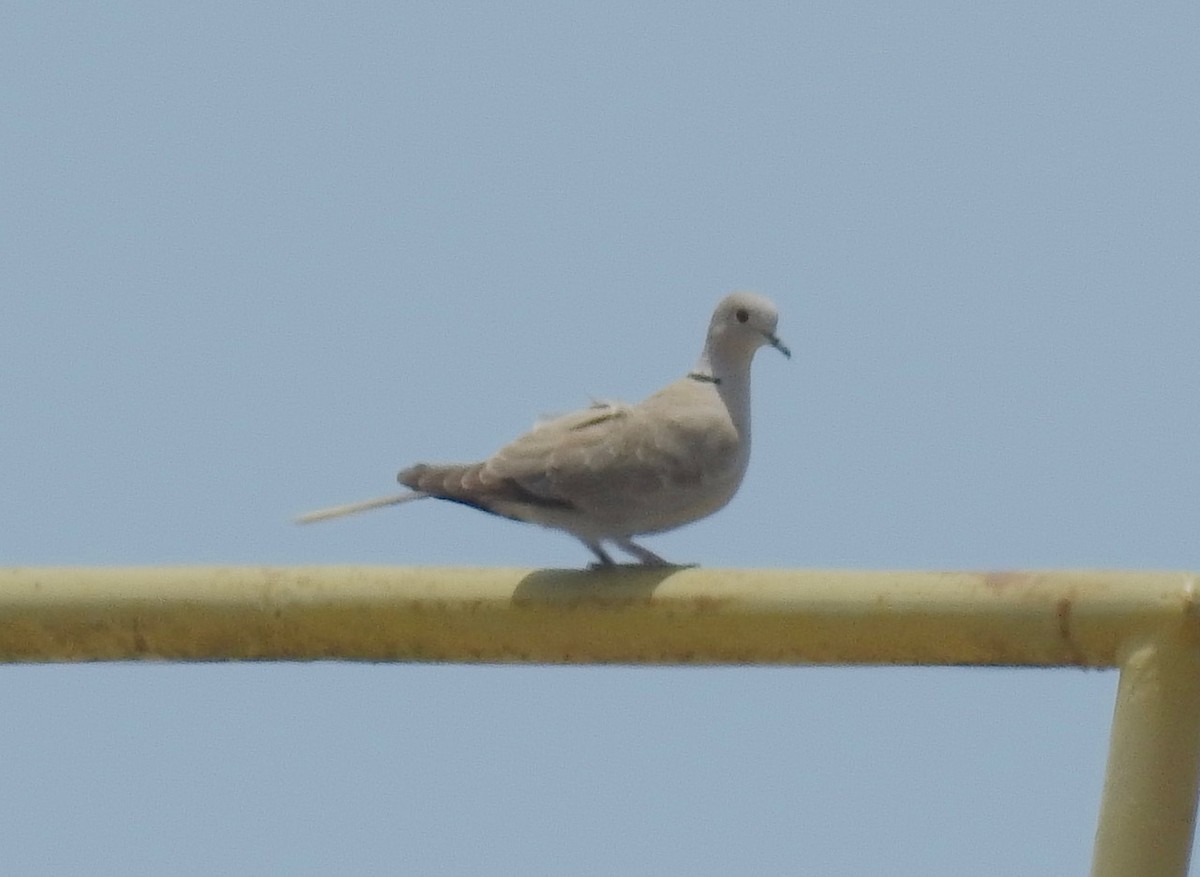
(615, 471)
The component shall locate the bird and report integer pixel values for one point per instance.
(613, 471)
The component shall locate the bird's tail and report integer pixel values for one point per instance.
(355, 507)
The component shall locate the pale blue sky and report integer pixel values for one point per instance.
(255, 258)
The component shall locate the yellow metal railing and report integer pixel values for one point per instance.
(1147, 624)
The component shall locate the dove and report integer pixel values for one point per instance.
(614, 471)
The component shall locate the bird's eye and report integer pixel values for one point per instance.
(742, 315)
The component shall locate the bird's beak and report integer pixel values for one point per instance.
(774, 341)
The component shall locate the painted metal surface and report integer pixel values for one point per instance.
(630, 615)
(1148, 814)
(1146, 623)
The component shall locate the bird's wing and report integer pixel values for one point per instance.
(616, 456)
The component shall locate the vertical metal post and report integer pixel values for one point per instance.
(1148, 814)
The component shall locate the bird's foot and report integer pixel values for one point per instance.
(645, 556)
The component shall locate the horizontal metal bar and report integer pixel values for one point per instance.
(635, 615)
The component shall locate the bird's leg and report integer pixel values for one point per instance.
(645, 555)
(604, 560)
